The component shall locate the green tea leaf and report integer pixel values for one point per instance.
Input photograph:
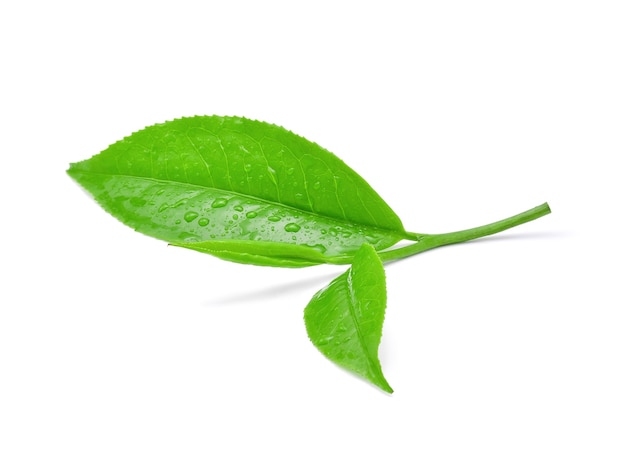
(345, 319)
(217, 178)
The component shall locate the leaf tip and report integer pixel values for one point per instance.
(71, 171)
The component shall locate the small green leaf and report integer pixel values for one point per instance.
(209, 178)
(345, 319)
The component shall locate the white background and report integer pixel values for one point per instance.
(457, 113)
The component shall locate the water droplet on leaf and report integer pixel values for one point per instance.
(190, 216)
(219, 203)
(292, 227)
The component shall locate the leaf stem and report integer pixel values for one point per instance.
(430, 241)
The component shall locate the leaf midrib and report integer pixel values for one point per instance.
(403, 235)
(370, 360)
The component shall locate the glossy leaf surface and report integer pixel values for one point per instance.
(227, 178)
(345, 319)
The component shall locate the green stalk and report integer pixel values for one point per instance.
(430, 241)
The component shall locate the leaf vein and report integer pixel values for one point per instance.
(206, 164)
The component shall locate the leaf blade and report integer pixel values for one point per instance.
(345, 319)
(168, 181)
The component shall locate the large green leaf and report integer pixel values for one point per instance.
(210, 178)
(345, 319)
